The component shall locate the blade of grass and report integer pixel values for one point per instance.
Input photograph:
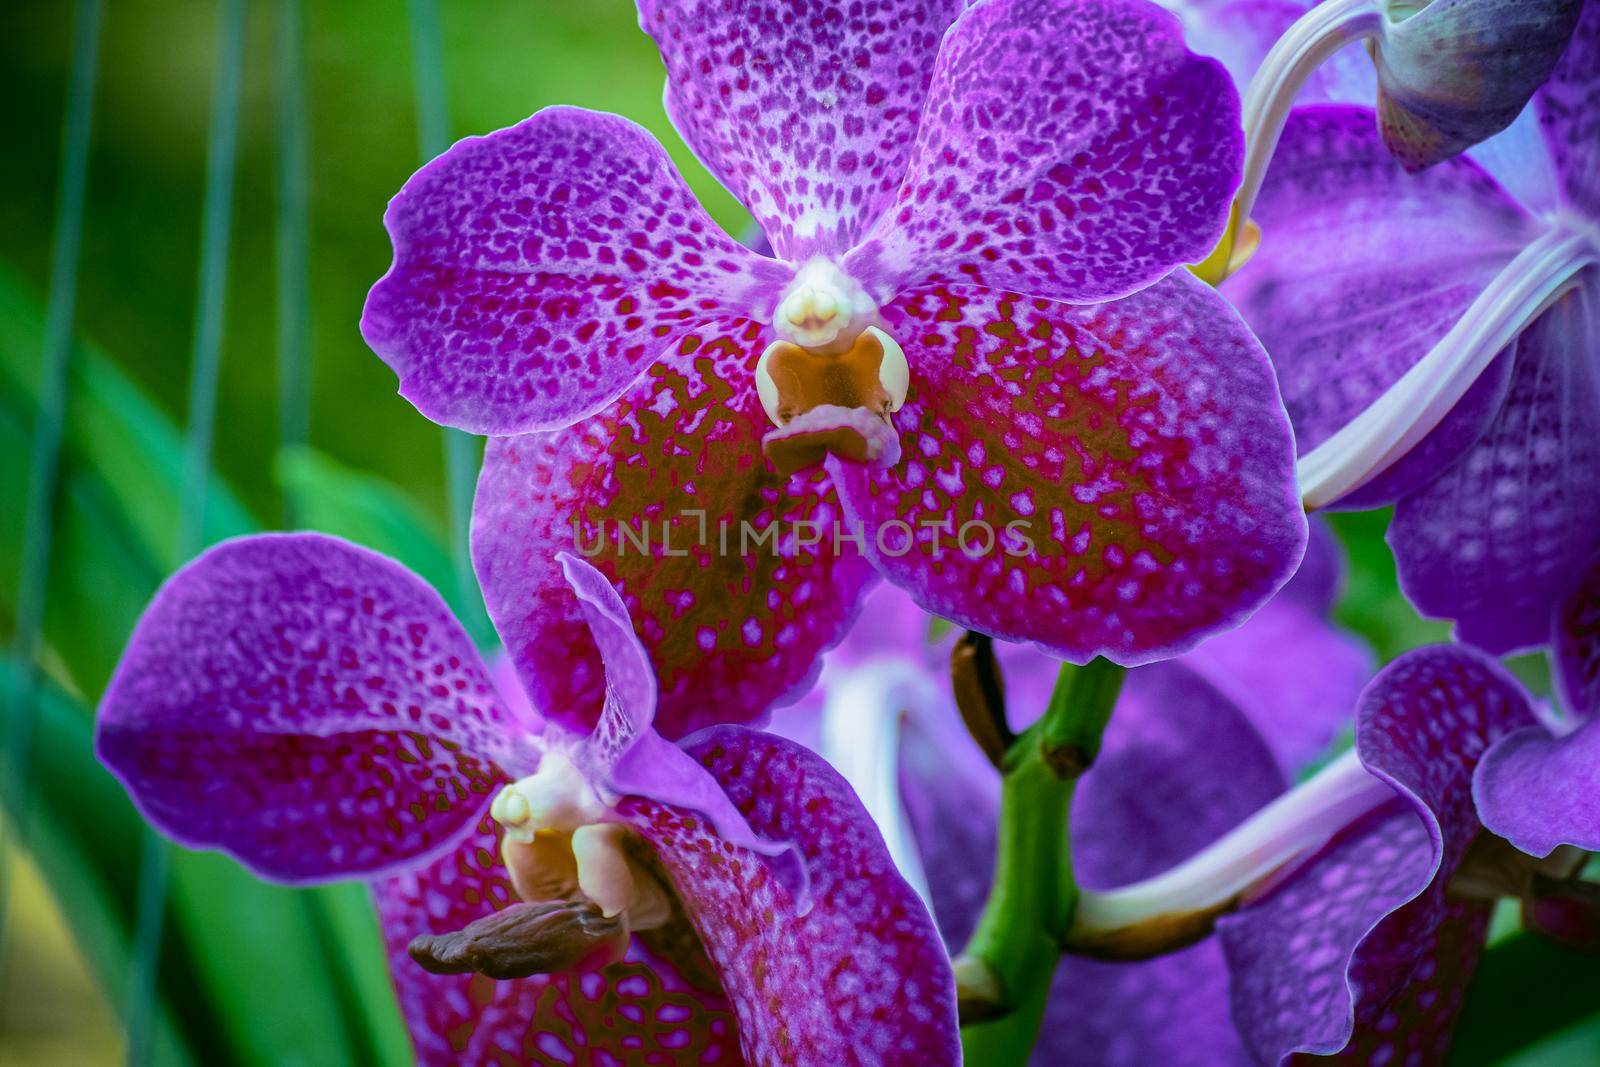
(211, 301)
(462, 452)
(293, 236)
(39, 506)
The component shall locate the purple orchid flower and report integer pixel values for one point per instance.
(1033, 424)
(314, 710)
(1367, 888)
(1438, 344)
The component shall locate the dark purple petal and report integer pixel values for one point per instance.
(1319, 962)
(1362, 267)
(641, 1007)
(1293, 673)
(1453, 73)
(1112, 480)
(1319, 582)
(806, 110)
(732, 620)
(1569, 113)
(1494, 542)
(1539, 791)
(1071, 149)
(860, 977)
(309, 707)
(1575, 643)
(539, 270)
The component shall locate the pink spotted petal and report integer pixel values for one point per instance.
(1569, 114)
(539, 270)
(639, 1011)
(860, 977)
(733, 617)
(1320, 963)
(1071, 149)
(1110, 480)
(805, 109)
(309, 707)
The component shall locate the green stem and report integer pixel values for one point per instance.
(1030, 905)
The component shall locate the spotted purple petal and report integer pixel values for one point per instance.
(860, 977)
(1494, 541)
(806, 110)
(539, 270)
(1071, 149)
(1456, 71)
(1569, 113)
(640, 1006)
(1575, 643)
(1363, 267)
(309, 707)
(1107, 480)
(732, 598)
(1317, 965)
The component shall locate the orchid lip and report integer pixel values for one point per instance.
(560, 844)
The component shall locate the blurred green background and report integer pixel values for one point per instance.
(249, 973)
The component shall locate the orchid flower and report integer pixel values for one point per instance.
(314, 710)
(1438, 344)
(1032, 422)
(1349, 911)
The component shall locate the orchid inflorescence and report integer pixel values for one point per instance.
(1058, 326)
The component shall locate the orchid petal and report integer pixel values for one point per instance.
(1293, 673)
(1074, 150)
(308, 706)
(1575, 643)
(1569, 114)
(1318, 962)
(806, 110)
(1105, 480)
(859, 977)
(630, 704)
(539, 270)
(1362, 268)
(640, 1007)
(1494, 541)
(732, 616)
(1540, 792)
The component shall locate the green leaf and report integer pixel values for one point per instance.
(250, 973)
(1526, 990)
